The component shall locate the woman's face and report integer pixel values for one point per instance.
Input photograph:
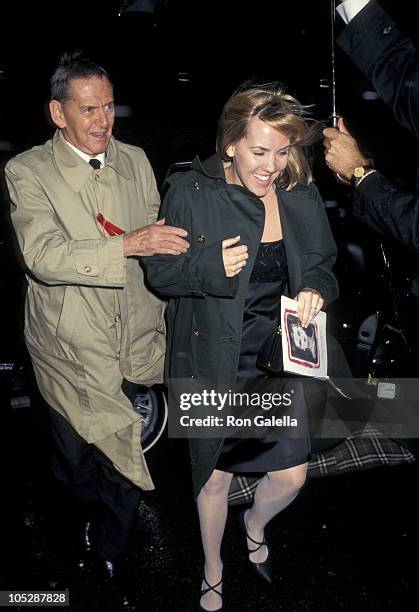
(258, 158)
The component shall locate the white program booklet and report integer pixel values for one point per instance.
(304, 349)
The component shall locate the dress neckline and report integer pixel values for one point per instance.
(271, 242)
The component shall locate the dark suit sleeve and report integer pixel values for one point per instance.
(388, 59)
(198, 272)
(384, 207)
(320, 254)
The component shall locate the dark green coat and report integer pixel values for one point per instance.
(205, 317)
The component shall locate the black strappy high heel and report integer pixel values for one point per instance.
(198, 607)
(264, 569)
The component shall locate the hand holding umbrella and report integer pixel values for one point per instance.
(342, 153)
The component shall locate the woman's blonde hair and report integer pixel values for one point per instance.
(274, 106)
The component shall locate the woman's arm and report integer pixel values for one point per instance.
(201, 270)
(321, 253)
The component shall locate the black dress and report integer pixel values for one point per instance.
(268, 281)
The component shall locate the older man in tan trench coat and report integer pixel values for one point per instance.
(90, 321)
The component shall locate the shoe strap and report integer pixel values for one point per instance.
(252, 540)
(211, 588)
(260, 544)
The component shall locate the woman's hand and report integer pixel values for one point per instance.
(310, 303)
(234, 257)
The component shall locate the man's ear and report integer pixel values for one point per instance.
(57, 114)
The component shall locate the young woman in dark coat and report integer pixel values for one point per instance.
(257, 229)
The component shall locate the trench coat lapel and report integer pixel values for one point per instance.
(74, 170)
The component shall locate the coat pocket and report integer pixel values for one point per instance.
(213, 357)
(67, 325)
(161, 326)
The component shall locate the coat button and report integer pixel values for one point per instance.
(200, 238)
(387, 29)
(196, 185)
(195, 332)
(117, 318)
(87, 269)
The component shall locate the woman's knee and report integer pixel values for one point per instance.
(292, 479)
(219, 482)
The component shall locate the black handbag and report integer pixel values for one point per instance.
(270, 353)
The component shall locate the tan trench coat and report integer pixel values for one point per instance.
(89, 320)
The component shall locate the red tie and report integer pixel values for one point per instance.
(113, 230)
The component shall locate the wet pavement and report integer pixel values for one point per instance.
(348, 542)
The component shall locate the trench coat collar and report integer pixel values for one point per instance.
(212, 167)
(74, 169)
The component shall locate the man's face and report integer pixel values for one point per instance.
(86, 119)
(300, 337)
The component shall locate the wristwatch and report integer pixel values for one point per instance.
(359, 173)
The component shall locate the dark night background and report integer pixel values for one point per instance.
(216, 44)
(174, 69)
(348, 543)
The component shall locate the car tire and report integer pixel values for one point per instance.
(151, 404)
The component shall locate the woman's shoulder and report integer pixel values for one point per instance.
(187, 190)
(304, 194)
(190, 179)
(311, 190)
(185, 178)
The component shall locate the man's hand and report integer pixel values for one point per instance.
(234, 258)
(342, 153)
(156, 238)
(310, 303)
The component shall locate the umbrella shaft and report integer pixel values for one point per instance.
(332, 35)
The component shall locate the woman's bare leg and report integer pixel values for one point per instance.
(275, 492)
(212, 510)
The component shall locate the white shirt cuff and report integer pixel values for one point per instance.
(348, 9)
(365, 176)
